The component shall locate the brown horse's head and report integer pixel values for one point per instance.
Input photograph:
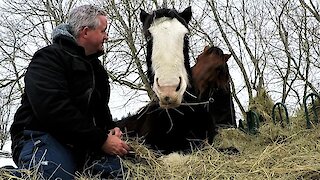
(211, 70)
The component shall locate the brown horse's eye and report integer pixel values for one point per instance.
(219, 70)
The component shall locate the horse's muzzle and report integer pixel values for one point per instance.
(169, 96)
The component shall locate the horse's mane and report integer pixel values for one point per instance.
(170, 13)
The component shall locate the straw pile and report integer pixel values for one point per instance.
(276, 152)
(289, 152)
(292, 152)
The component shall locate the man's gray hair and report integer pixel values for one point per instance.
(83, 16)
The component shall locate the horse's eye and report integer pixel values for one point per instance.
(220, 70)
(217, 70)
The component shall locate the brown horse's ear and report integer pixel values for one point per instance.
(206, 48)
(226, 57)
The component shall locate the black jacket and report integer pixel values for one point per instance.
(66, 95)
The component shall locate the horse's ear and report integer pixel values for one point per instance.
(186, 14)
(143, 15)
(226, 57)
(206, 48)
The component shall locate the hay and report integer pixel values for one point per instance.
(292, 152)
(9, 174)
(262, 104)
(275, 152)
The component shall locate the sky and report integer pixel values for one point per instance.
(119, 102)
(7, 161)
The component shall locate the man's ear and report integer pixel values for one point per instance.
(84, 31)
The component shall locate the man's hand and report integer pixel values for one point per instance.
(114, 145)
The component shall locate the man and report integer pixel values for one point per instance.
(64, 124)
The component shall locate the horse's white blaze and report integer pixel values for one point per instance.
(168, 60)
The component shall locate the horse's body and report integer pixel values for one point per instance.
(176, 129)
(179, 132)
(165, 124)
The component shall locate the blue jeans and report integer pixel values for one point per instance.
(43, 153)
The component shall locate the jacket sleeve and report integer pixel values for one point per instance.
(47, 89)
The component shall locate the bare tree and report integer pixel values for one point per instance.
(126, 66)
(25, 27)
(312, 8)
(275, 45)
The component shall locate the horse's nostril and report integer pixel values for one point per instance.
(179, 85)
(157, 82)
(167, 98)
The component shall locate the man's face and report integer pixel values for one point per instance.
(98, 36)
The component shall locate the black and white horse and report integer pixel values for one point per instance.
(166, 32)
(195, 121)
(170, 124)
(166, 125)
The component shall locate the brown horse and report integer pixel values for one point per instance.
(195, 120)
(211, 81)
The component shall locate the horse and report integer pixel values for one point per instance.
(211, 80)
(194, 121)
(166, 32)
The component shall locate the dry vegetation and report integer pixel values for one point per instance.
(290, 152)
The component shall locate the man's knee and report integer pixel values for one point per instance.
(43, 153)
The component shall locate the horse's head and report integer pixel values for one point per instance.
(167, 53)
(211, 70)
